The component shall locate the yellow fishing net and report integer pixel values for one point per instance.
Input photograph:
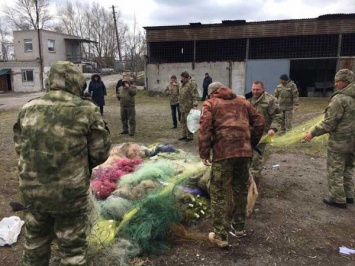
(293, 140)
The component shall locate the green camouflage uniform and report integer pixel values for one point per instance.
(188, 97)
(128, 111)
(268, 106)
(339, 122)
(288, 97)
(60, 137)
(172, 91)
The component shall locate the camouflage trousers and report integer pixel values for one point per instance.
(256, 165)
(341, 170)
(286, 124)
(128, 115)
(42, 228)
(184, 130)
(228, 173)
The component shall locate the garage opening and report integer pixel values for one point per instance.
(314, 77)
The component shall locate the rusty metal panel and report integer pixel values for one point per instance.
(252, 29)
(348, 63)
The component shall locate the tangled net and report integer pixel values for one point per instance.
(135, 212)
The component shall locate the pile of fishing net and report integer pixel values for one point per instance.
(139, 203)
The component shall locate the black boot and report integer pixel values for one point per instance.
(334, 204)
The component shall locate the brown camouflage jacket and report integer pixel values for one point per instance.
(269, 107)
(230, 124)
(339, 121)
(188, 96)
(287, 95)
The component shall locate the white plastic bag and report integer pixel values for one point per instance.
(10, 228)
(193, 120)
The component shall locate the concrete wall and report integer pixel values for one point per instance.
(21, 86)
(19, 44)
(16, 76)
(159, 74)
(49, 57)
(60, 49)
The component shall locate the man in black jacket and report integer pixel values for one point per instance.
(207, 81)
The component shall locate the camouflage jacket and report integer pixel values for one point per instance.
(60, 137)
(188, 96)
(126, 96)
(172, 91)
(269, 107)
(287, 95)
(229, 124)
(339, 121)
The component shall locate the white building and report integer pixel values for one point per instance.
(23, 73)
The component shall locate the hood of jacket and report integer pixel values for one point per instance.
(349, 91)
(96, 75)
(65, 76)
(290, 82)
(224, 93)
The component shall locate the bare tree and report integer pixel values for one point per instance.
(5, 43)
(135, 49)
(93, 22)
(23, 15)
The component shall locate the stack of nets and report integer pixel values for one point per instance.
(145, 207)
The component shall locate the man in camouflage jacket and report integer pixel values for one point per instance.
(172, 91)
(60, 137)
(230, 126)
(126, 95)
(287, 94)
(188, 99)
(268, 106)
(339, 122)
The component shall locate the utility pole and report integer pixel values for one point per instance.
(118, 41)
(39, 47)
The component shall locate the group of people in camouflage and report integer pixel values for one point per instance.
(230, 131)
(61, 136)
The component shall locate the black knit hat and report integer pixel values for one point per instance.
(284, 77)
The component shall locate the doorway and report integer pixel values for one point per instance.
(314, 77)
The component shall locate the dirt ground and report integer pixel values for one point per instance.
(291, 224)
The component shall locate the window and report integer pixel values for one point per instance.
(51, 45)
(27, 75)
(28, 45)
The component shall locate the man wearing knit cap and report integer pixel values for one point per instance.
(229, 127)
(339, 123)
(188, 97)
(287, 94)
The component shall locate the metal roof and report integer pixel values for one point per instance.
(79, 40)
(5, 71)
(243, 22)
(236, 29)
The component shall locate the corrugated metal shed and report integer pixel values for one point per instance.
(326, 24)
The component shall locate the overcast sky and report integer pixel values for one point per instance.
(180, 12)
